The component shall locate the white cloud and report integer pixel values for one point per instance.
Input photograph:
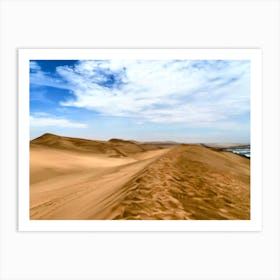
(39, 77)
(163, 91)
(197, 93)
(34, 66)
(44, 120)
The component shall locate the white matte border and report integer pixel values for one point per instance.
(255, 224)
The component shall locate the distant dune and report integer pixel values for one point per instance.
(73, 178)
(163, 144)
(113, 147)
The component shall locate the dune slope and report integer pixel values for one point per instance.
(66, 184)
(190, 182)
(84, 179)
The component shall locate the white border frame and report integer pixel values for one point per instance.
(25, 224)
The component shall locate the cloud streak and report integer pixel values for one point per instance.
(45, 120)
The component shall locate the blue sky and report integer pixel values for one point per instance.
(178, 100)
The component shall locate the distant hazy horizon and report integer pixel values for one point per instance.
(186, 101)
(137, 140)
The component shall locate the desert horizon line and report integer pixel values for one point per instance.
(143, 141)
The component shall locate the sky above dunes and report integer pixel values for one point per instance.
(178, 100)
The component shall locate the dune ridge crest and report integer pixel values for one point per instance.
(189, 182)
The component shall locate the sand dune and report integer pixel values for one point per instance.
(113, 147)
(116, 179)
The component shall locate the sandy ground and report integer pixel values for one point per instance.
(66, 185)
(181, 182)
(190, 182)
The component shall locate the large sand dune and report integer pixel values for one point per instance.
(83, 179)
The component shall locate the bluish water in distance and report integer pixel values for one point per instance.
(244, 151)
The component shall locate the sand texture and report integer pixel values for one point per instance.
(84, 179)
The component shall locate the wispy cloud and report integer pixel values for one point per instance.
(42, 119)
(40, 78)
(34, 66)
(197, 93)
